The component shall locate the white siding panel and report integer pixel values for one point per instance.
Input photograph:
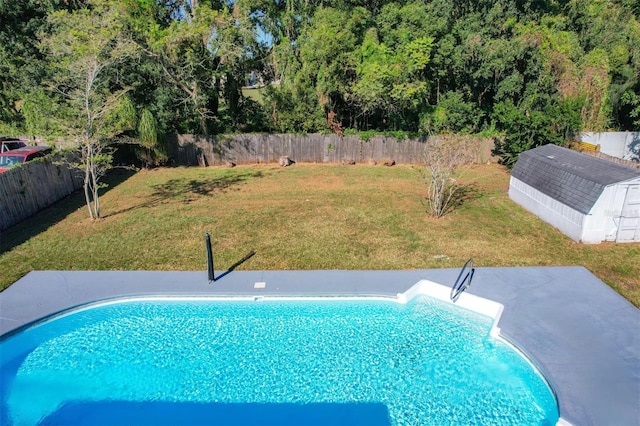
(611, 219)
(609, 209)
(558, 215)
(629, 230)
(601, 224)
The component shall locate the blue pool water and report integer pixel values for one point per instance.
(369, 362)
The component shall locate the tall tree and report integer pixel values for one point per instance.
(22, 65)
(328, 55)
(203, 49)
(609, 33)
(392, 86)
(86, 47)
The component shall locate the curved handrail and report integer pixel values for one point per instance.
(461, 285)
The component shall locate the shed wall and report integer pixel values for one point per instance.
(601, 224)
(629, 228)
(605, 217)
(556, 214)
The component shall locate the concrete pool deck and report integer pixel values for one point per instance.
(583, 336)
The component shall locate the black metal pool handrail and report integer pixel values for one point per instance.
(462, 284)
(209, 258)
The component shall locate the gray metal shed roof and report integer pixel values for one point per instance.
(572, 178)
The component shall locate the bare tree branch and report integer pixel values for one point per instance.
(445, 156)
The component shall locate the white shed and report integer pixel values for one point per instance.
(589, 199)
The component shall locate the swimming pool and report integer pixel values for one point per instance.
(270, 361)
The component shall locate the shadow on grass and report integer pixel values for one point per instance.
(49, 216)
(189, 190)
(464, 193)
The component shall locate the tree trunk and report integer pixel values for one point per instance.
(87, 196)
(87, 180)
(96, 199)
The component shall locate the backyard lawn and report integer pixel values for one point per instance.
(308, 216)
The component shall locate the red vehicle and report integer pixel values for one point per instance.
(9, 143)
(21, 155)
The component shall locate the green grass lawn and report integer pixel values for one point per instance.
(308, 216)
(253, 93)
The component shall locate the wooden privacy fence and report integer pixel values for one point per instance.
(602, 155)
(313, 148)
(33, 186)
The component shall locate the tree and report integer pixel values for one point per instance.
(426, 66)
(453, 114)
(41, 113)
(86, 48)
(609, 32)
(22, 65)
(445, 156)
(390, 81)
(328, 57)
(203, 48)
(595, 86)
(391, 88)
(633, 100)
(542, 101)
(151, 153)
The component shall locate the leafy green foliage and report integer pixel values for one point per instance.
(87, 48)
(439, 66)
(42, 112)
(293, 108)
(529, 125)
(633, 100)
(22, 65)
(147, 129)
(453, 114)
(149, 151)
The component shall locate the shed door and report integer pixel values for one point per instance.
(629, 228)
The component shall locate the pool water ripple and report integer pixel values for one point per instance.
(427, 362)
